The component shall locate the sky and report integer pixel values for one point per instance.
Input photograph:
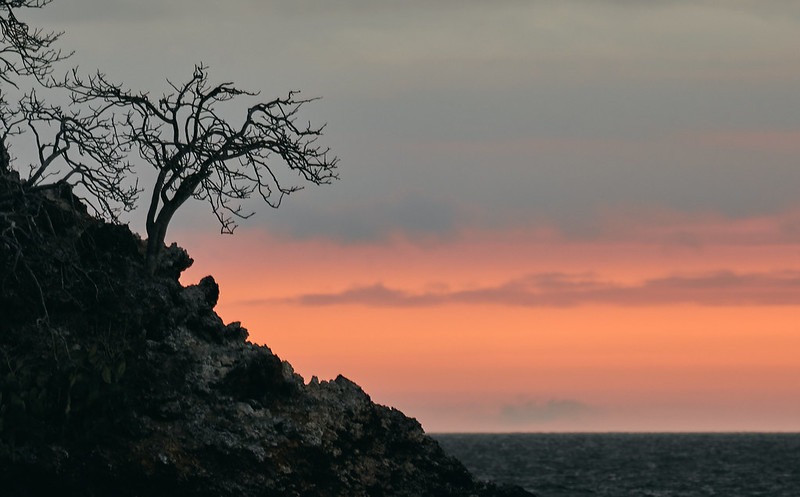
(552, 216)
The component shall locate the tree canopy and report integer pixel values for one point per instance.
(95, 142)
(25, 51)
(77, 145)
(198, 153)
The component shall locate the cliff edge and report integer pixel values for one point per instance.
(116, 383)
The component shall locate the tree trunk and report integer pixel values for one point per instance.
(5, 158)
(155, 242)
(157, 233)
(154, 247)
(157, 224)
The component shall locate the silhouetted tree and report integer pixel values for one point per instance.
(25, 51)
(77, 146)
(195, 151)
(198, 153)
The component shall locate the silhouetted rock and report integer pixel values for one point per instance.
(115, 383)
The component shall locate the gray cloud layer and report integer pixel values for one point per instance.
(724, 288)
(475, 114)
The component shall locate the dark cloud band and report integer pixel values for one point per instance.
(722, 288)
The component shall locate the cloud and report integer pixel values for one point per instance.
(544, 412)
(478, 115)
(759, 140)
(721, 288)
(89, 11)
(375, 295)
(378, 219)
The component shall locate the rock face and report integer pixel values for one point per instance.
(113, 383)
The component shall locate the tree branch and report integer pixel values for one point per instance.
(198, 153)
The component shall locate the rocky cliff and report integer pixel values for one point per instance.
(114, 383)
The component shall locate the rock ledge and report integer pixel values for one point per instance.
(112, 383)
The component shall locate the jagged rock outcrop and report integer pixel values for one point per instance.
(114, 383)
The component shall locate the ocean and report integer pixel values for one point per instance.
(641, 465)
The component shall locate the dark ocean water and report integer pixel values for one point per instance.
(647, 465)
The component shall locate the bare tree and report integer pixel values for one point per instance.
(25, 51)
(6, 129)
(77, 147)
(80, 148)
(195, 151)
(198, 153)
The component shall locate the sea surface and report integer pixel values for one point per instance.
(621, 465)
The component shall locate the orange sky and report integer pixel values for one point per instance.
(563, 215)
(514, 331)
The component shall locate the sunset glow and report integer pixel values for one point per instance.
(552, 216)
(675, 340)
